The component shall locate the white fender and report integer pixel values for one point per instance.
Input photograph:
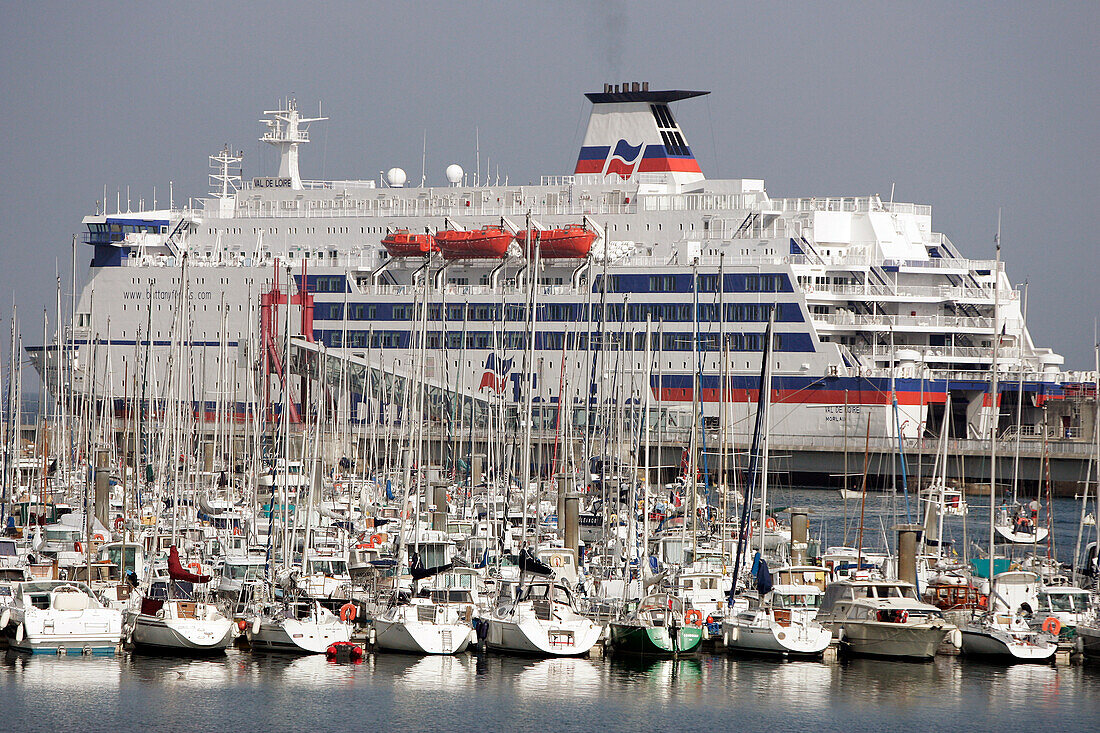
(19, 633)
(256, 626)
(956, 638)
(5, 617)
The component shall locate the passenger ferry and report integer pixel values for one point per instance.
(870, 301)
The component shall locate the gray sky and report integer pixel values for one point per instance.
(966, 106)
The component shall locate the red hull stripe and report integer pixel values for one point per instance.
(804, 396)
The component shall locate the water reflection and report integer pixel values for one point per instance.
(491, 691)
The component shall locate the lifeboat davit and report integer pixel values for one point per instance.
(489, 242)
(403, 243)
(572, 242)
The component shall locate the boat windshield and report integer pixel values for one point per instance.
(892, 591)
(329, 567)
(542, 591)
(113, 555)
(797, 600)
(1064, 602)
(244, 572)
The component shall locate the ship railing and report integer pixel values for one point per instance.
(940, 292)
(931, 353)
(886, 321)
(359, 208)
(955, 446)
(943, 263)
(855, 204)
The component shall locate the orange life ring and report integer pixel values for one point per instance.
(1052, 626)
(348, 612)
(195, 568)
(77, 547)
(694, 617)
(903, 616)
(236, 530)
(376, 539)
(99, 538)
(119, 523)
(770, 523)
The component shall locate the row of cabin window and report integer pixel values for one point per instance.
(709, 283)
(563, 312)
(548, 340)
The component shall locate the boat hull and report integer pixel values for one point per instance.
(1090, 641)
(94, 631)
(182, 635)
(897, 641)
(796, 640)
(415, 637)
(1023, 538)
(539, 638)
(654, 640)
(981, 643)
(297, 637)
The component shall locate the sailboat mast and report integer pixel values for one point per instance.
(996, 405)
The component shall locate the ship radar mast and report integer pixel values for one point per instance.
(225, 180)
(286, 130)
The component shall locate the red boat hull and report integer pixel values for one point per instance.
(404, 244)
(486, 243)
(568, 243)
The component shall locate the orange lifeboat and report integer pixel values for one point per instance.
(403, 243)
(572, 242)
(489, 242)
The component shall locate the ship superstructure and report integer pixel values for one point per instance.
(870, 301)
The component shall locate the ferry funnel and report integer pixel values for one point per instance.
(631, 131)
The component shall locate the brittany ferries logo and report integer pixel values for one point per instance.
(496, 372)
(624, 159)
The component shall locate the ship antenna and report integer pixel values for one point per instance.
(424, 159)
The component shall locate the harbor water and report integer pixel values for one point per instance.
(243, 692)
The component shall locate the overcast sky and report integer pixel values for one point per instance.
(966, 106)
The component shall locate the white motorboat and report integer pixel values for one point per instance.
(883, 618)
(1020, 528)
(543, 621)
(56, 616)
(781, 622)
(297, 628)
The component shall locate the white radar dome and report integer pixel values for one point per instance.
(396, 177)
(454, 174)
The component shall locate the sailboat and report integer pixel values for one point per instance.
(998, 632)
(298, 626)
(435, 622)
(771, 624)
(171, 617)
(543, 620)
(658, 626)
